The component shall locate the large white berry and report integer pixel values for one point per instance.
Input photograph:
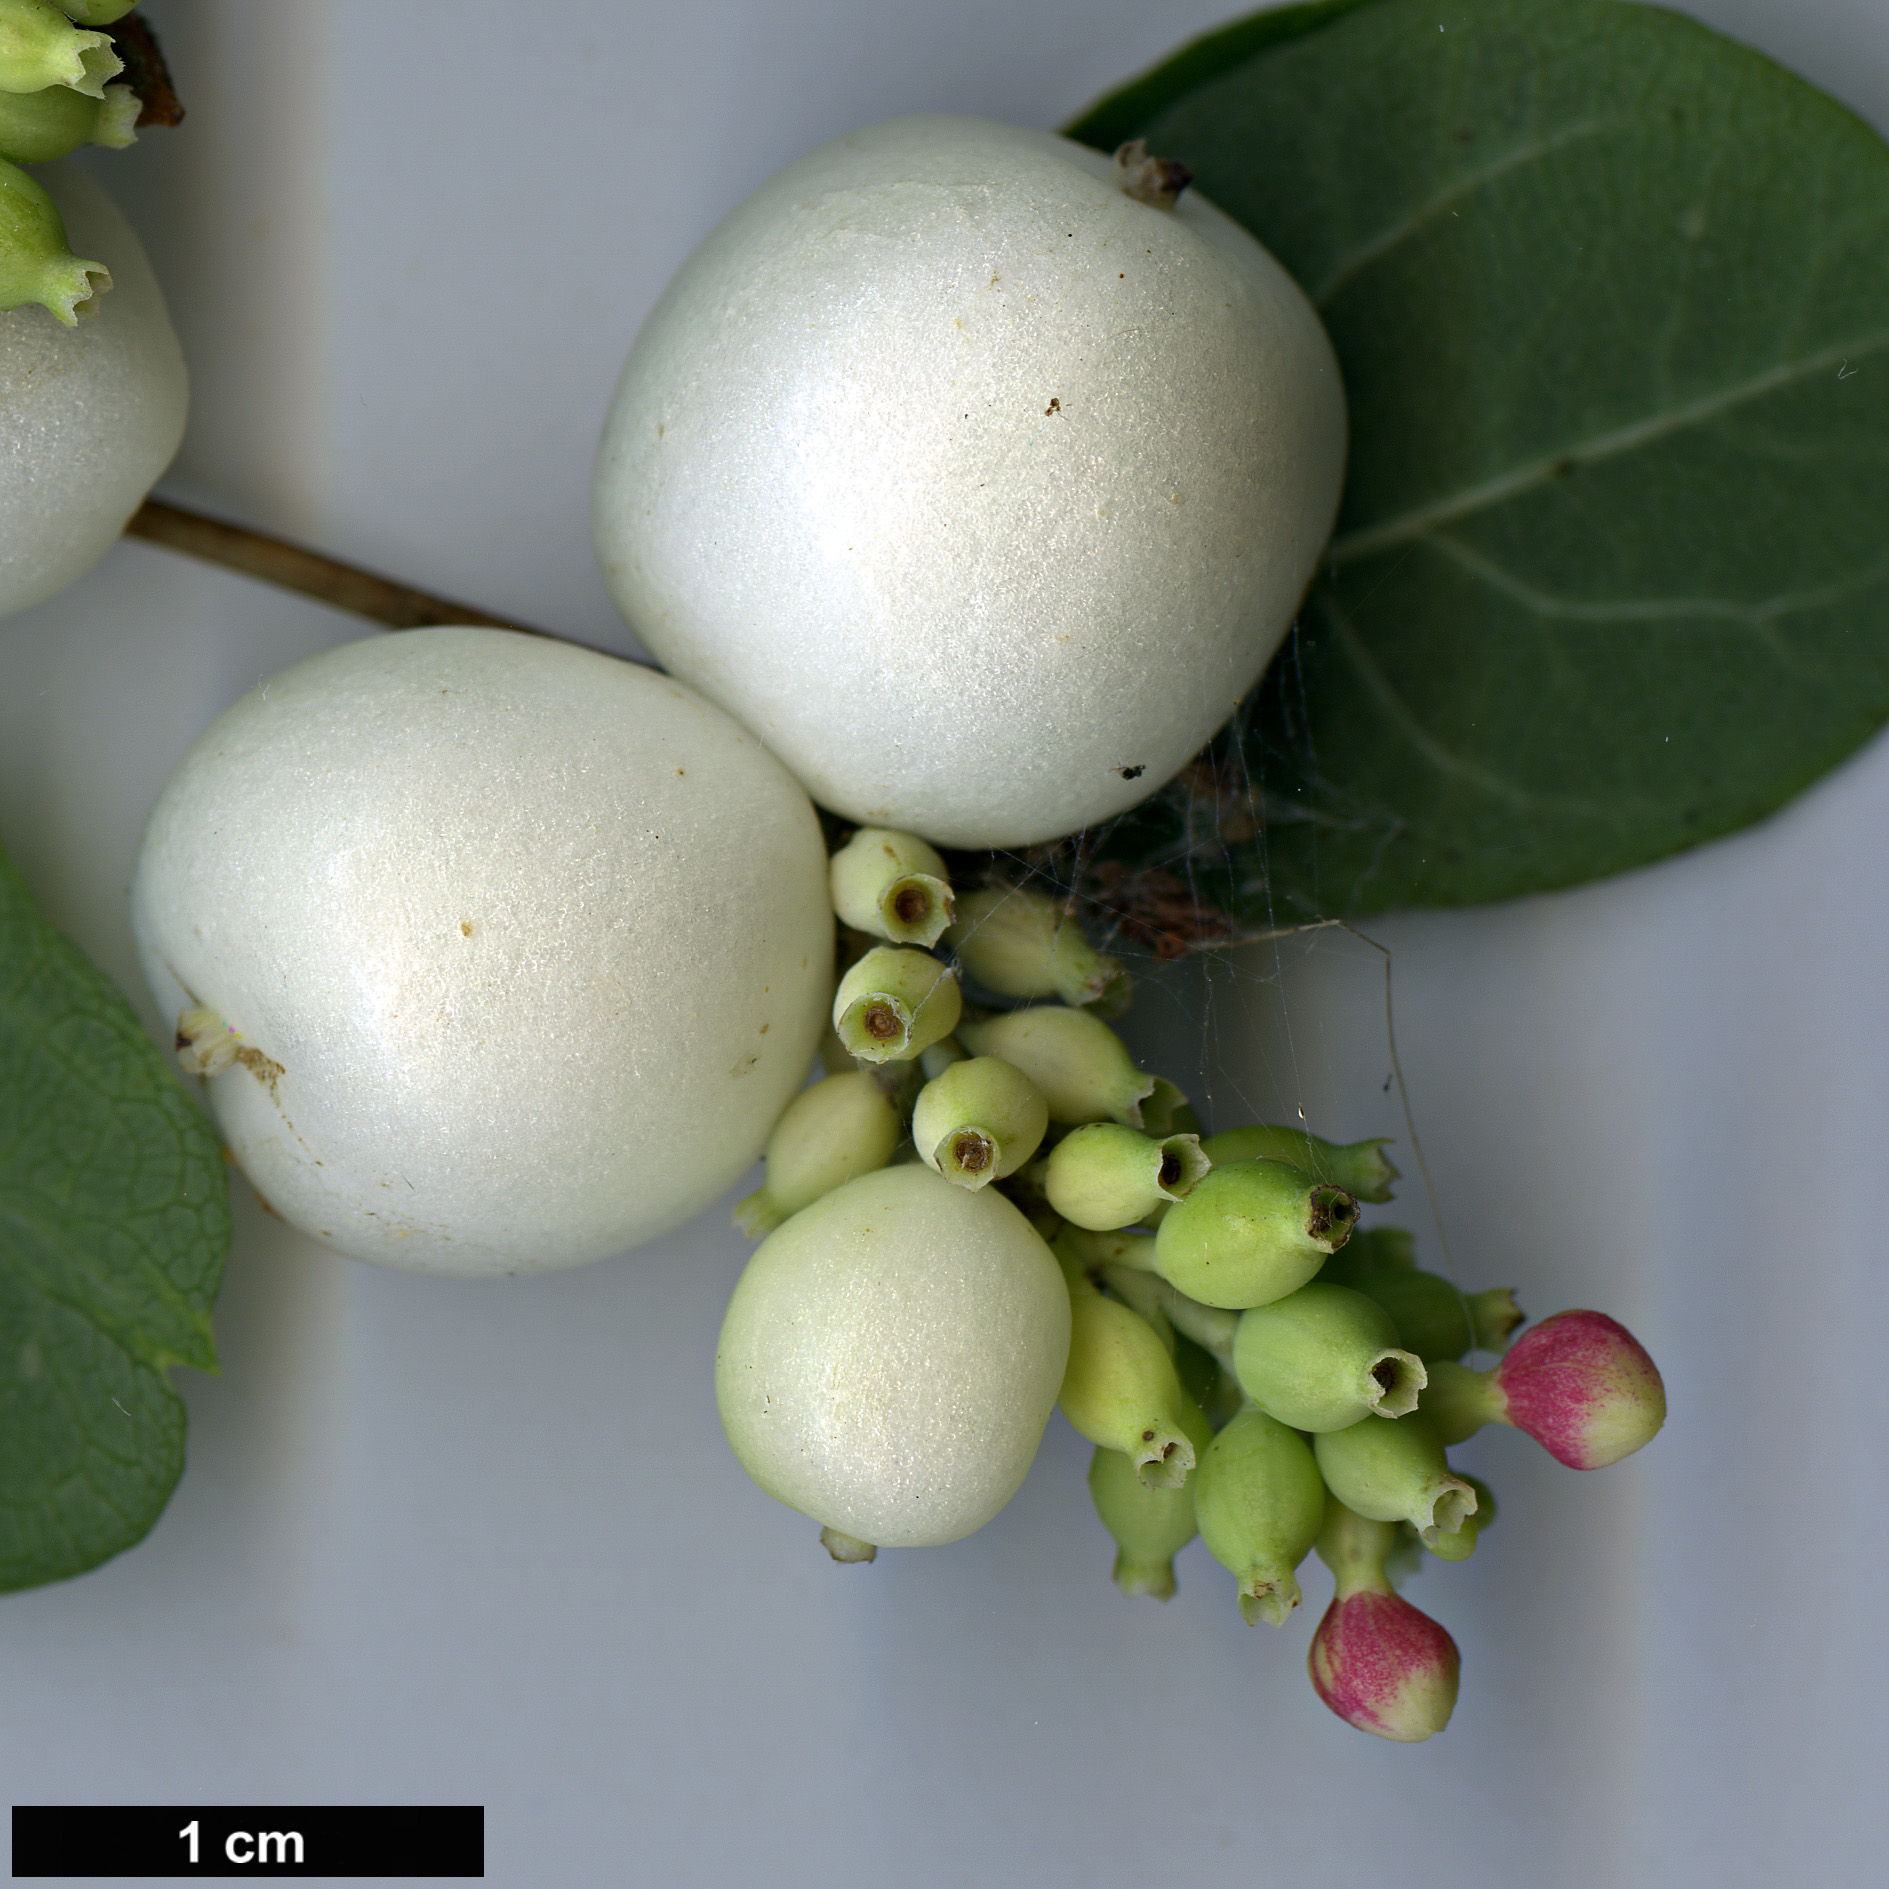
(506, 954)
(89, 415)
(891, 1355)
(979, 488)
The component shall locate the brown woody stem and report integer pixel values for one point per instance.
(276, 561)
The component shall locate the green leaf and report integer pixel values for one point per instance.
(1125, 112)
(1611, 295)
(114, 1221)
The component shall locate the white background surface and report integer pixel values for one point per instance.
(485, 1544)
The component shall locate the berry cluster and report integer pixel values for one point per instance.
(1250, 1366)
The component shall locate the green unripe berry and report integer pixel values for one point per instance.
(35, 263)
(1371, 1250)
(40, 46)
(1260, 1503)
(1359, 1167)
(1082, 1067)
(978, 1121)
(1151, 1525)
(1395, 1472)
(891, 885)
(1120, 1388)
(1251, 1232)
(1020, 942)
(894, 1004)
(1102, 1175)
(842, 1126)
(36, 127)
(1324, 1358)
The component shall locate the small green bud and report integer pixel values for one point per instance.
(845, 1548)
(1251, 1232)
(35, 263)
(1120, 1387)
(1103, 1175)
(842, 1126)
(1324, 1358)
(1359, 1167)
(978, 1121)
(894, 1004)
(1150, 1525)
(40, 46)
(1461, 1545)
(36, 127)
(1494, 1317)
(1395, 1472)
(891, 885)
(1020, 942)
(1260, 1503)
(1081, 1065)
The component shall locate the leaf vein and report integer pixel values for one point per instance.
(1420, 521)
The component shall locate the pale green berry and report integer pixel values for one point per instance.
(1151, 1525)
(40, 46)
(978, 1121)
(1251, 1232)
(1082, 1067)
(1102, 1176)
(1324, 1358)
(842, 1126)
(1019, 942)
(1120, 1387)
(1395, 1472)
(38, 126)
(96, 12)
(1359, 1167)
(36, 265)
(895, 1003)
(1260, 1503)
(891, 885)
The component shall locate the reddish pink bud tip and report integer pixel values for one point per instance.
(1384, 1667)
(1583, 1387)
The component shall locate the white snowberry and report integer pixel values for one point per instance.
(500, 954)
(979, 487)
(891, 1355)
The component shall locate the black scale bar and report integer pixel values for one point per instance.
(221, 1840)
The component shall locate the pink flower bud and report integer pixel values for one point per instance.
(1583, 1387)
(1384, 1667)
